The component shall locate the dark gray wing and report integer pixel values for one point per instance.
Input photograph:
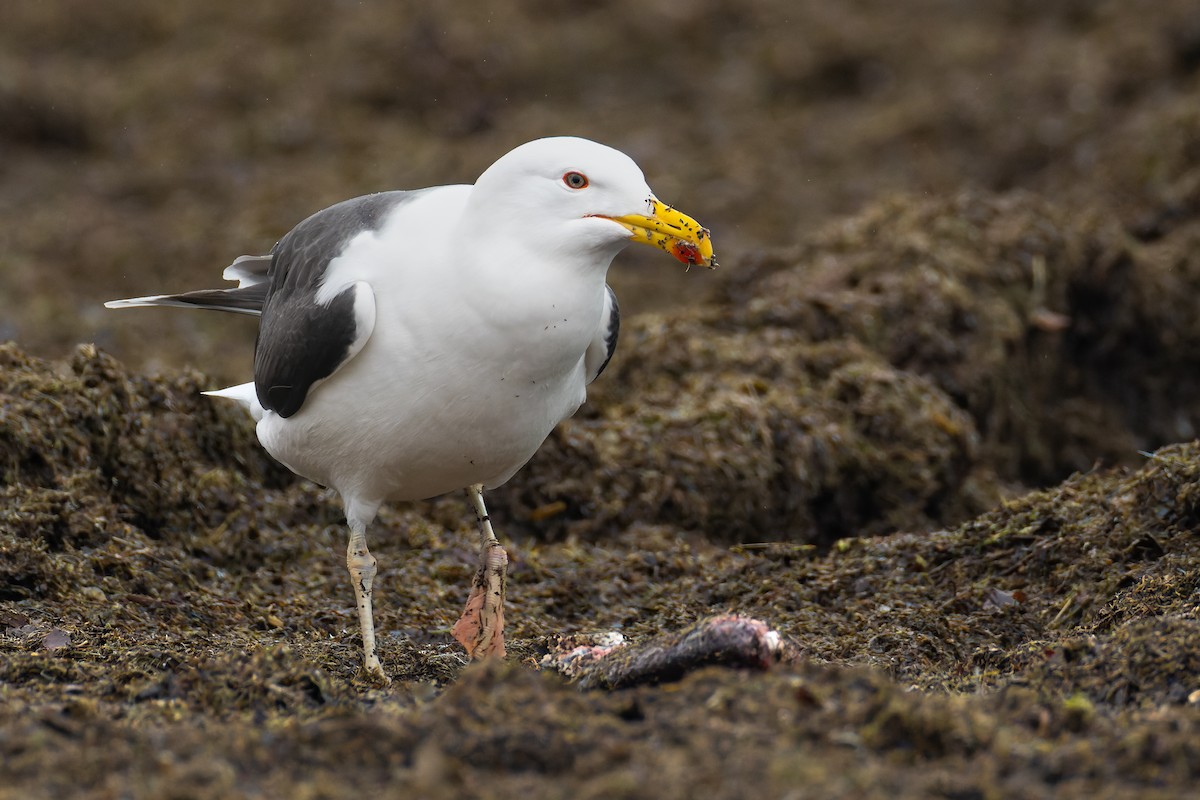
(600, 351)
(252, 274)
(301, 341)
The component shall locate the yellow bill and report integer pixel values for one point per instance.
(673, 231)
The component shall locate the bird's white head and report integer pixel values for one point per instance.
(574, 195)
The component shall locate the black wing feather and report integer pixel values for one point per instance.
(242, 300)
(301, 341)
(614, 329)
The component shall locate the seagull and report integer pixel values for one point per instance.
(415, 343)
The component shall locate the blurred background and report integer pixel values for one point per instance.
(144, 145)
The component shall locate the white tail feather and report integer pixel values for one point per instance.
(243, 394)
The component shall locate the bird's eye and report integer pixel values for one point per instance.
(575, 180)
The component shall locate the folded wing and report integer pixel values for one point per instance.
(302, 340)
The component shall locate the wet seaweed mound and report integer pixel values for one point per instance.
(932, 421)
(161, 579)
(893, 372)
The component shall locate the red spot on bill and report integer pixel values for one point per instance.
(686, 252)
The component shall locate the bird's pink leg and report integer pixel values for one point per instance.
(480, 630)
(362, 567)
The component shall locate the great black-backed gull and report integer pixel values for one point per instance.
(413, 343)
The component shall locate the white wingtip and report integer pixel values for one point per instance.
(134, 302)
(248, 270)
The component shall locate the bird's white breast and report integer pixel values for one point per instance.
(470, 366)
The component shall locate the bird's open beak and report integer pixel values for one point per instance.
(670, 230)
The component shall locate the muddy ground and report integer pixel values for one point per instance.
(932, 421)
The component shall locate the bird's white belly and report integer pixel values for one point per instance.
(389, 426)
